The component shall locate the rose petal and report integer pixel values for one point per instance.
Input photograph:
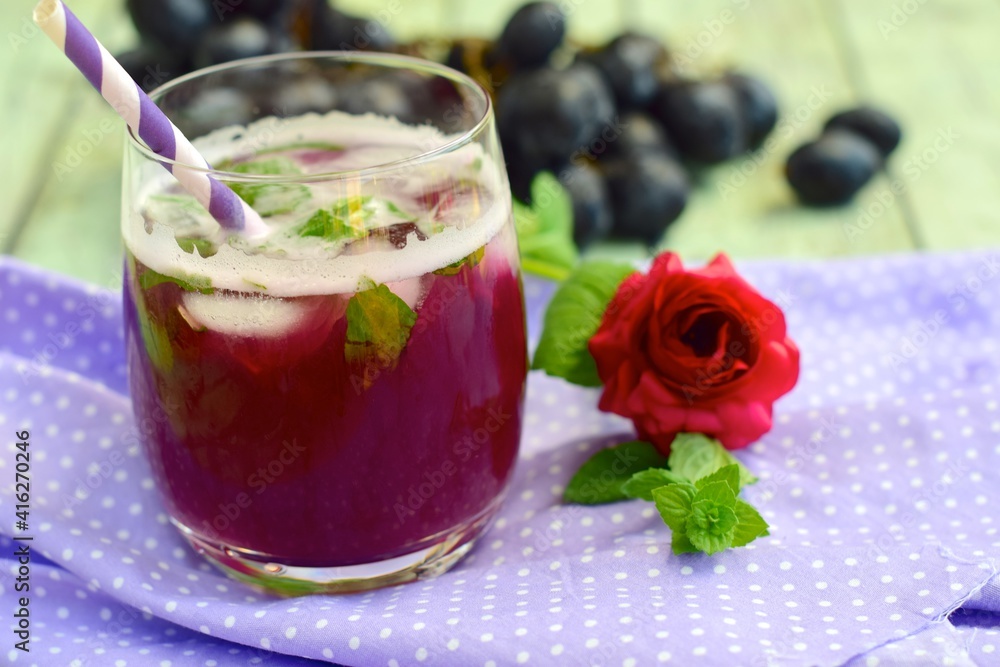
(742, 423)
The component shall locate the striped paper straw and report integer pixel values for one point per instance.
(145, 118)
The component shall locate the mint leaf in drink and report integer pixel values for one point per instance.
(545, 229)
(203, 246)
(345, 219)
(270, 199)
(325, 225)
(600, 479)
(378, 328)
(156, 341)
(471, 259)
(304, 146)
(642, 483)
(573, 317)
(749, 524)
(395, 210)
(694, 456)
(187, 282)
(354, 211)
(179, 211)
(270, 167)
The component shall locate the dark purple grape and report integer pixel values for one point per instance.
(874, 125)
(150, 66)
(523, 164)
(239, 37)
(648, 192)
(262, 9)
(638, 134)
(531, 35)
(212, 108)
(630, 64)
(591, 204)
(175, 25)
(758, 106)
(336, 31)
(704, 120)
(831, 170)
(552, 113)
(304, 96)
(384, 96)
(469, 54)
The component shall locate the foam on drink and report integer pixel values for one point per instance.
(304, 266)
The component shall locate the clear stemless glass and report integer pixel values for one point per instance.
(335, 406)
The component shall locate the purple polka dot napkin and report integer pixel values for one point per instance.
(880, 480)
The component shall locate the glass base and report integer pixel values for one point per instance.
(256, 570)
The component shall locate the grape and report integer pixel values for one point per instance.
(832, 169)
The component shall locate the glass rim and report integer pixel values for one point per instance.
(386, 60)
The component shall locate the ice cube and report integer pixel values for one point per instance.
(256, 316)
(410, 290)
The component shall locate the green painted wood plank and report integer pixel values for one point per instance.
(937, 69)
(74, 228)
(72, 225)
(404, 19)
(746, 207)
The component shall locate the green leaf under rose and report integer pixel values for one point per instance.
(573, 317)
(696, 490)
(601, 478)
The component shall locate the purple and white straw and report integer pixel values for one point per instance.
(145, 118)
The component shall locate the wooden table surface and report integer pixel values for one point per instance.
(934, 64)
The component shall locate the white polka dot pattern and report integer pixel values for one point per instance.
(878, 480)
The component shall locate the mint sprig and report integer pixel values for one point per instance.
(697, 496)
(572, 318)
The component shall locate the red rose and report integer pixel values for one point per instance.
(698, 351)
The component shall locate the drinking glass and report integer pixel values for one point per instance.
(336, 405)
